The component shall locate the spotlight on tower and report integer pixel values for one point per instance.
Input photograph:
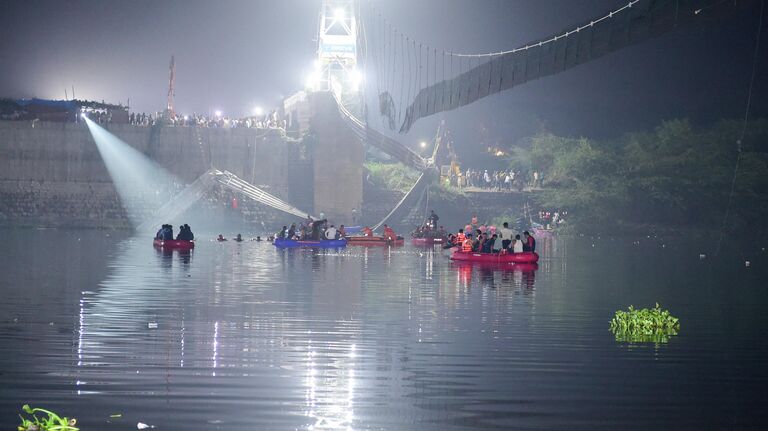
(339, 14)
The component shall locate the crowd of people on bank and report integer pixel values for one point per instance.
(272, 120)
(550, 219)
(497, 180)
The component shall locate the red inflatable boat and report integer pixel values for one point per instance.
(174, 244)
(427, 241)
(373, 240)
(509, 258)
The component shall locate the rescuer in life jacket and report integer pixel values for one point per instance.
(367, 231)
(459, 239)
(389, 234)
(466, 245)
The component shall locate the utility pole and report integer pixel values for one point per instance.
(171, 91)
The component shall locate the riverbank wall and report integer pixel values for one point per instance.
(51, 174)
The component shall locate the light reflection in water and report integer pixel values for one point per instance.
(254, 329)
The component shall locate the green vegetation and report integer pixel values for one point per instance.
(652, 325)
(391, 176)
(51, 422)
(675, 175)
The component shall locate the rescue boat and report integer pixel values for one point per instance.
(508, 258)
(373, 240)
(173, 244)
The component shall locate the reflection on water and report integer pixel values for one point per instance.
(242, 335)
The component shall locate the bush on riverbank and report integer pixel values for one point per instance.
(391, 176)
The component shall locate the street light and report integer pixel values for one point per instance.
(257, 111)
(218, 113)
(423, 144)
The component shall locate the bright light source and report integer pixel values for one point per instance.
(186, 117)
(134, 175)
(82, 114)
(499, 153)
(423, 144)
(316, 65)
(338, 14)
(312, 81)
(355, 79)
(218, 113)
(258, 111)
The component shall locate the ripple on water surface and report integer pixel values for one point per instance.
(245, 336)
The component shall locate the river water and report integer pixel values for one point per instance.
(95, 324)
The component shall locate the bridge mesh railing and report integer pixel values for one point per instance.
(183, 200)
(379, 140)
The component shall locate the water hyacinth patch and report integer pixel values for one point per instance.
(51, 422)
(647, 325)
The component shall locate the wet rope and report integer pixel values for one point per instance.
(739, 142)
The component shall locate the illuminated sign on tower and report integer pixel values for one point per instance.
(336, 64)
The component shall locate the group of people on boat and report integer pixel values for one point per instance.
(389, 233)
(166, 233)
(312, 230)
(430, 229)
(502, 240)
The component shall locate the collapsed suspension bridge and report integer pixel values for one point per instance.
(414, 80)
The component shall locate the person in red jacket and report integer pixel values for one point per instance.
(530, 242)
(389, 234)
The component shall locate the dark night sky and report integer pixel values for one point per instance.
(235, 54)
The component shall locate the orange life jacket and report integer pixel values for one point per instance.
(466, 246)
(460, 239)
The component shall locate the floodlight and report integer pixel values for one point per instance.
(312, 80)
(338, 14)
(355, 79)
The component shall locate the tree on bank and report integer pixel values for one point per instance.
(675, 175)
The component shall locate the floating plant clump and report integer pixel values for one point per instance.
(647, 325)
(50, 422)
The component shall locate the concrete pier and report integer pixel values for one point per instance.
(338, 162)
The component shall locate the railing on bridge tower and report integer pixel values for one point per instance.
(336, 63)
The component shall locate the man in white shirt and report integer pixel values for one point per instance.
(517, 247)
(330, 233)
(506, 235)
